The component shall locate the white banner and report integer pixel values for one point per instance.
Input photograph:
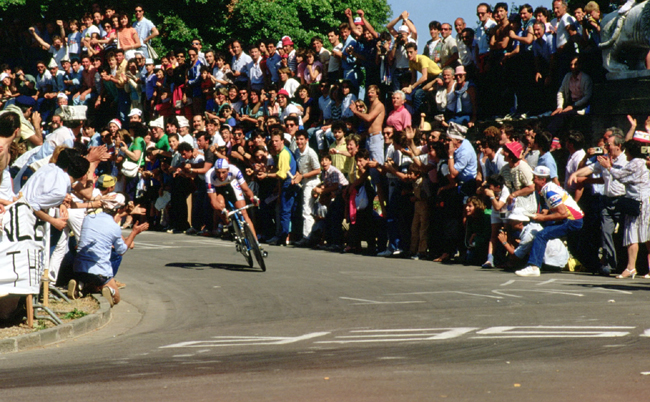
(22, 242)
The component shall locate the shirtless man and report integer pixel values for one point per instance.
(9, 129)
(374, 119)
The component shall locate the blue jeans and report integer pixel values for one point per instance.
(375, 145)
(287, 205)
(549, 233)
(392, 213)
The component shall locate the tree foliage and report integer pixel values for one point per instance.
(216, 21)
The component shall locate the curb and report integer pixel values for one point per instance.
(59, 333)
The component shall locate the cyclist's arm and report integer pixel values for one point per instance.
(247, 191)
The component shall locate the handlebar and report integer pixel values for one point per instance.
(230, 213)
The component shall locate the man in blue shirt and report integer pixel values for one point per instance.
(463, 163)
(100, 237)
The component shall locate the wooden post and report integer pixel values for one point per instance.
(46, 287)
(30, 311)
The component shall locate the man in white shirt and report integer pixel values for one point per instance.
(398, 55)
(334, 66)
(561, 23)
(307, 176)
(255, 73)
(239, 64)
(484, 13)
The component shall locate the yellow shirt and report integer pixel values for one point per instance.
(339, 161)
(421, 62)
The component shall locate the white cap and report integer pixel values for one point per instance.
(52, 63)
(149, 61)
(518, 214)
(3, 76)
(182, 121)
(159, 122)
(456, 131)
(60, 95)
(542, 171)
(404, 28)
(135, 112)
(115, 203)
(72, 113)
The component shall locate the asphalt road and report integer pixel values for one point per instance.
(196, 324)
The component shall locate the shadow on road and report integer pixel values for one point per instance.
(198, 266)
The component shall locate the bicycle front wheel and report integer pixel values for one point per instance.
(254, 247)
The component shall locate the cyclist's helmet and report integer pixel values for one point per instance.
(222, 164)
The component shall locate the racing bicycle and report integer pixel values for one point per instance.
(245, 241)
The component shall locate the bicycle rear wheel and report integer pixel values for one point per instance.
(254, 247)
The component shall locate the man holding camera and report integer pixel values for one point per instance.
(397, 55)
(614, 190)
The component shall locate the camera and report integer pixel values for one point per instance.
(597, 151)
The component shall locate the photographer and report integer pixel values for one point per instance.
(397, 56)
(613, 191)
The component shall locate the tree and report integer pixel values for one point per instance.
(216, 21)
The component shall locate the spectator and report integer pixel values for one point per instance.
(397, 56)
(449, 50)
(100, 238)
(307, 176)
(146, 31)
(636, 178)
(558, 207)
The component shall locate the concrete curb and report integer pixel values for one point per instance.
(59, 333)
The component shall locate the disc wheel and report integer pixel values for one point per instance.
(254, 247)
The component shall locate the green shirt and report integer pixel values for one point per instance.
(163, 143)
(138, 144)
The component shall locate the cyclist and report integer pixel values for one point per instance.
(225, 182)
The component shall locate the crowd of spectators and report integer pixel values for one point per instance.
(359, 137)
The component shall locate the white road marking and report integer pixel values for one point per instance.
(546, 282)
(510, 282)
(551, 291)
(400, 335)
(625, 292)
(646, 333)
(552, 332)
(365, 301)
(443, 291)
(221, 341)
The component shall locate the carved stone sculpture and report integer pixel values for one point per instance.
(626, 41)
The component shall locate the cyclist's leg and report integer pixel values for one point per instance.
(218, 203)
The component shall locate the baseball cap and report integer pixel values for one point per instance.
(518, 214)
(105, 181)
(135, 112)
(283, 92)
(26, 101)
(404, 28)
(542, 171)
(286, 41)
